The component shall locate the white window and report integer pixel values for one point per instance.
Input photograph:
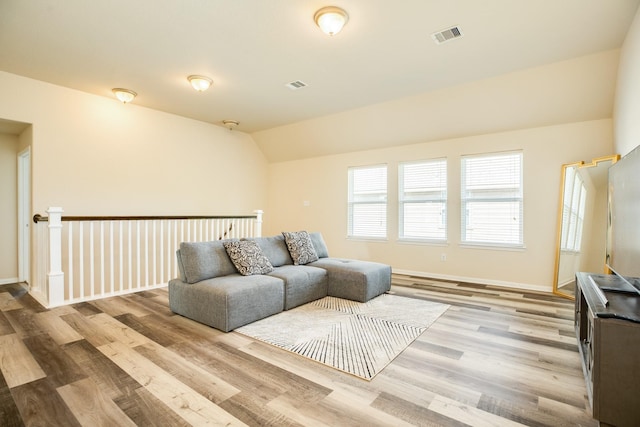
(573, 207)
(423, 200)
(368, 201)
(492, 199)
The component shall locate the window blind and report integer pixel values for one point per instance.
(367, 202)
(423, 200)
(491, 199)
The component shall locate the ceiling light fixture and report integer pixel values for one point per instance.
(200, 83)
(124, 95)
(331, 19)
(231, 124)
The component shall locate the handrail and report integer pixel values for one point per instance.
(89, 257)
(40, 218)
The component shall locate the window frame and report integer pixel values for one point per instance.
(372, 199)
(432, 198)
(516, 196)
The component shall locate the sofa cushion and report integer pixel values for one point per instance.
(300, 247)
(319, 245)
(354, 279)
(204, 260)
(302, 284)
(275, 249)
(248, 258)
(227, 302)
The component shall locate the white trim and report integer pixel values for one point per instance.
(367, 239)
(500, 283)
(566, 282)
(106, 295)
(9, 281)
(424, 242)
(40, 297)
(493, 247)
(24, 215)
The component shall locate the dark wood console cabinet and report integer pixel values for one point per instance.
(607, 322)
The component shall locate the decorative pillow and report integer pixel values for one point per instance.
(300, 247)
(248, 258)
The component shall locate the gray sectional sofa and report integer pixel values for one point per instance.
(212, 290)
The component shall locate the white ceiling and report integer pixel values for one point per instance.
(252, 48)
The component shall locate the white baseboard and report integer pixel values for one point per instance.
(525, 286)
(8, 281)
(41, 298)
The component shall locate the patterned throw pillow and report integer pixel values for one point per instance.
(300, 247)
(248, 258)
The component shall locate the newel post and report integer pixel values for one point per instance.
(257, 225)
(55, 277)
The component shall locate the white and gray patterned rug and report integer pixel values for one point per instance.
(354, 337)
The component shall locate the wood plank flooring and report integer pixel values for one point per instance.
(497, 357)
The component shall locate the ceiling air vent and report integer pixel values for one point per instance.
(446, 35)
(296, 85)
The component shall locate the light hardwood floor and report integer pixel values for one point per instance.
(496, 358)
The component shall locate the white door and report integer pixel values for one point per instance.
(24, 215)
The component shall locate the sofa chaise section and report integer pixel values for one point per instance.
(355, 280)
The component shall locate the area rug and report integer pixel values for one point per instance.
(354, 337)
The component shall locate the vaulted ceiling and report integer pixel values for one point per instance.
(252, 48)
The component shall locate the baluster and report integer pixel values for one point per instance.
(91, 261)
(70, 260)
(146, 252)
(168, 253)
(176, 245)
(101, 257)
(112, 271)
(138, 268)
(182, 230)
(121, 253)
(155, 273)
(81, 258)
(130, 255)
(161, 251)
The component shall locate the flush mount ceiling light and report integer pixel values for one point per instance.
(124, 95)
(200, 83)
(231, 124)
(331, 19)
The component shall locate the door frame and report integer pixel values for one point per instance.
(24, 215)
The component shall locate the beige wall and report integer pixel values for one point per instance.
(8, 212)
(322, 182)
(627, 102)
(575, 90)
(557, 113)
(92, 155)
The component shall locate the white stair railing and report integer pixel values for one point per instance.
(85, 258)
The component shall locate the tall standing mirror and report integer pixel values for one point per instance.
(582, 222)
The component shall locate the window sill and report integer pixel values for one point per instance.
(423, 242)
(368, 239)
(494, 247)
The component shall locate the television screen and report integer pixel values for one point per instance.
(623, 234)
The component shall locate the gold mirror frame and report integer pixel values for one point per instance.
(567, 288)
